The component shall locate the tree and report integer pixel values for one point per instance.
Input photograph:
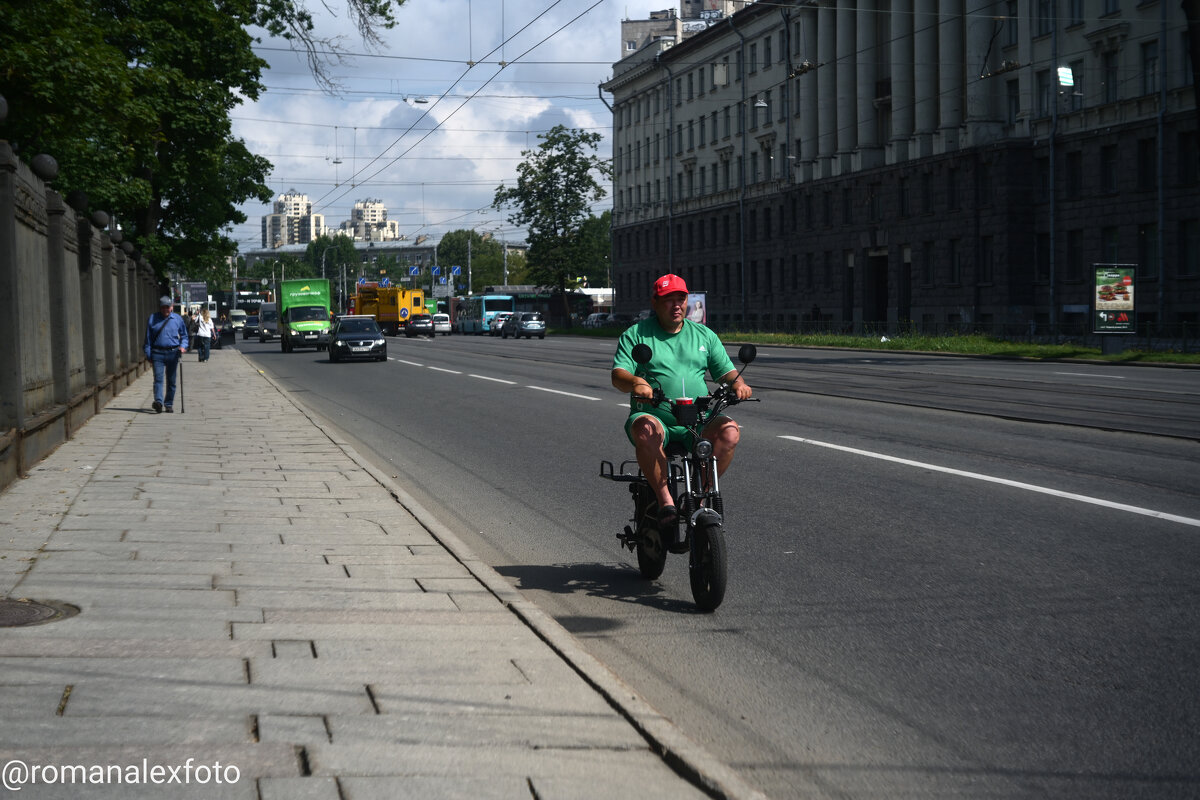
(595, 249)
(132, 97)
(485, 257)
(342, 253)
(556, 185)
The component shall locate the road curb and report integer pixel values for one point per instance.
(687, 757)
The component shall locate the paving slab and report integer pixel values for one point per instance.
(252, 592)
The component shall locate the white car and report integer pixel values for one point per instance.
(441, 324)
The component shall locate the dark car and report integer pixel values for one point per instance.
(357, 337)
(524, 323)
(251, 326)
(419, 325)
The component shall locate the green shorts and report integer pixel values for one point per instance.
(674, 433)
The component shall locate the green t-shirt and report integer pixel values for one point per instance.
(679, 363)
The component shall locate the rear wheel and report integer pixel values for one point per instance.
(651, 555)
(707, 568)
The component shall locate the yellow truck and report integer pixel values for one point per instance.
(390, 305)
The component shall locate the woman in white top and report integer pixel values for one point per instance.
(204, 334)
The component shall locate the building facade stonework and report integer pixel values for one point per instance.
(938, 163)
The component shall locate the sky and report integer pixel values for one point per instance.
(415, 125)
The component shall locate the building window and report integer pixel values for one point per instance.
(1045, 17)
(1074, 12)
(1112, 6)
(1011, 23)
(1074, 174)
(691, 87)
(955, 262)
(927, 263)
(1075, 92)
(1108, 169)
(1045, 93)
(1041, 257)
(926, 193)
(766, 43)
(1189, 247)
(1110, 68)
(1148, 250)
(1014, 100)
(1110, 245)
(952, 180)
(847, 206)
(1074, 271)
(903, 198)
(875, 202)
(630, 45)
(753, 58)
(1149, 67)
(1147, 164)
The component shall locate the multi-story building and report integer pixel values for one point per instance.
(369, 223)
(937, 162)
(293, 221)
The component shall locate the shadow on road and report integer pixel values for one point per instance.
(612, 581)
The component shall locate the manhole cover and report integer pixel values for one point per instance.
(18, 613)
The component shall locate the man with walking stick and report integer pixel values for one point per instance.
(166, 341)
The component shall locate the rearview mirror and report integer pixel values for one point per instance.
(746, 353)
(642, 353)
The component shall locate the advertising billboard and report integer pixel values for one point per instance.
(697, 307)
(1113, 303)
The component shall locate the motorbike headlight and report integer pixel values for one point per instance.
(703, 448)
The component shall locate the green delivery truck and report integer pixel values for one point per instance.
(304, 314)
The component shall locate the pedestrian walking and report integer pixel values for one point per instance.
(166, 340)
(205, 330)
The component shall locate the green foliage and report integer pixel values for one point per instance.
(556, 185)
(342, 252)
(485, 257)
(132, 97)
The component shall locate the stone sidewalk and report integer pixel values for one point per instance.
(261, 615)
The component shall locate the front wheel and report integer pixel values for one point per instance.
(651, 555)
(707, 567)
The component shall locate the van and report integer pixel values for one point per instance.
(268, 322)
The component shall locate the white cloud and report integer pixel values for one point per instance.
(486, 115)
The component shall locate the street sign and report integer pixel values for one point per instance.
(456, 270)
(414, 270)
(437, 270)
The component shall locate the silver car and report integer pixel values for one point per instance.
(524, 323)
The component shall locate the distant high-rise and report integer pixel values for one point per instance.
(368, 222)
(293, 221)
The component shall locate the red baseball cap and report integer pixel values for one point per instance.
(669, 284)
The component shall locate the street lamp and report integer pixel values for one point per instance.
(323, 254)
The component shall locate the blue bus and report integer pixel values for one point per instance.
(474, 314)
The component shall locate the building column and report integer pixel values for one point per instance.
(984, 95)
(902, 79)
(925, 70)
(869, 152)
(809, 108)
(827, 87)
(950, 73)
(847, 81)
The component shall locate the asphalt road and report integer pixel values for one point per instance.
(937, 587)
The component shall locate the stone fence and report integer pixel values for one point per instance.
(74, 299)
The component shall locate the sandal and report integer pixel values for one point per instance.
(667, 515)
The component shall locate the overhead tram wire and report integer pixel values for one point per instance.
(426, 112)
(464, 103)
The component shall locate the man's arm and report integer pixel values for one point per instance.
(740, 387)
(625, 381)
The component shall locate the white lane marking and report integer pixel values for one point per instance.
(497, 380)
(568, 394)
(451, 371)
(1094, 375)
(1004, 481)
(410, 363)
